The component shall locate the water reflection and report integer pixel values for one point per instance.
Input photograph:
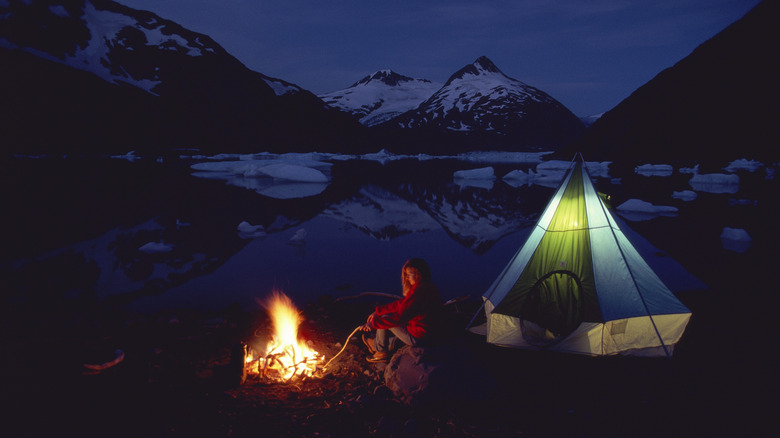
(230, 236)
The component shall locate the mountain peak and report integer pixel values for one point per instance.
(485, 64)
(480, 67)
(387, 77)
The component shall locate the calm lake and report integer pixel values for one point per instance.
(153, 234)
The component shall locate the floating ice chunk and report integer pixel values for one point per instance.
(734, 201)
(249, 231)
(654, 170)
(638, 210)
(156, 247)
(298, 238)
(502, 157)
(735, 239)
(548, 175)
(716, 178)
(638, 205)
(553, 166)
(598, 170)
(556, 167)
(690, 170)
(294, 176)
(292, 172)
(382, 156)
(715, 183)
(743, 164)
(130, 156)
(481, 173)
(517, 176)
(685, 195)
(486, 184)
(738, 234)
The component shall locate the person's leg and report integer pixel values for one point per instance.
(404, 335)
(382, 340)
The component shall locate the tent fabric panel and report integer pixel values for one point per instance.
(617, 293)
(552, 206)
(578, 234)
(565, 246)
(595, 208)
(504, 282)
(631, 336)
(587, 339)
(505, 330)
(661, 300)
(623, 278)
(626, 335)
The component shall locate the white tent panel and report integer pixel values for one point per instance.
(639, 314)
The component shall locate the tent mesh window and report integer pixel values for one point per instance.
(554, 306)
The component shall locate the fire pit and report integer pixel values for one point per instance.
(285, 357)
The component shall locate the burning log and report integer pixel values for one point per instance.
(94, 369)
(285, 357)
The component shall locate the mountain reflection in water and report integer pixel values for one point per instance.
(154, 235)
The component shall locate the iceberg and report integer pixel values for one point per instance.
(715, 183)
(299, 238)
(249, 231)
(155, 247)
(517, 178)
(638, 210)
(735, 201)
(743, 164)
(738, 234)
(654, 170)
(295, 176)
(685, 195)
(292, 172)
(502, 157)
(130, 156)
(481, 173)
(595, 169)
(480, 178)
(735, 239)
(690, 170)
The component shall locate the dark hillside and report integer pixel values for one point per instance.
(719, 103)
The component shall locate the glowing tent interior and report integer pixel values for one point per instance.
(578, 285)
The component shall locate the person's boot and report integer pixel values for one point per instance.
(369, 343)
(379, 356)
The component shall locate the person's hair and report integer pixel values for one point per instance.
(421, 266)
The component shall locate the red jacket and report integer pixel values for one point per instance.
(419, 311)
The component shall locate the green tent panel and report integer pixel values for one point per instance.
(578, 285)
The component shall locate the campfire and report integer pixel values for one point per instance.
(285, 357)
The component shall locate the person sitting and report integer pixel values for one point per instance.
(414, 319)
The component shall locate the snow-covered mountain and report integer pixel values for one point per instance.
(109, 74)
(116, 43)
(381, 96)
(479, 98)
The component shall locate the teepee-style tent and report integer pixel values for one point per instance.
(578, 285)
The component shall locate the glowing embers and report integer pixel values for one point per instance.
(285, 357)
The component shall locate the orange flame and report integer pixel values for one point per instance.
(285, 356)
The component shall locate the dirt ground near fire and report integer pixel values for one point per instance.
(178, 377)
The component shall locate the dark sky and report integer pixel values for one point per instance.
(587, 54)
